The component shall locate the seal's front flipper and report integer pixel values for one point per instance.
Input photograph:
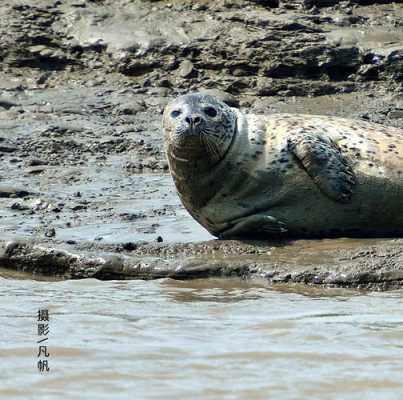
(254, 225)
(325, 164)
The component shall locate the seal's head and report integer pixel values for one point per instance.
(198, 126)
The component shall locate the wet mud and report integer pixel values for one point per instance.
(84, 183)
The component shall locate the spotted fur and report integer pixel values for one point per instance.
(286, 175)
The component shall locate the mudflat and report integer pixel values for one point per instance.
(84, 183)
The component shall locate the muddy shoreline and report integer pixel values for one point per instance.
(364, 264)
(84, 185)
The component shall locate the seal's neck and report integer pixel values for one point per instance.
(190, 173)
(187, 162)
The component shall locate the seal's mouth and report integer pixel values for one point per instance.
(187, 139)
(188, 135)
(193, 131)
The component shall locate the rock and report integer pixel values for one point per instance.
(369, 72)
(186, 70)
(34, 162)
(147, 164)
(225, 97)
(157, 101)
(7, 103)
(13, 192)
(268, 3)
(50, 232)
(78, 207)
(395, 114)
(132, 108)
(7, 148)
(159, 91)
(19, 207)
(36, 259)
(132, 216)
(129, 246)
(40, 204)
(36, 170)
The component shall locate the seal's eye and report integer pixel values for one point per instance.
(210, 111)
(176, 113)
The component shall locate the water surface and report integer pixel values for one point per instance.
(202, 339)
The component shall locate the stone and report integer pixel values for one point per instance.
(132, 108)
(7, 148)
(7, 103)
(394, 114)
(225, 97)
(13, 192)
(50, 232)
(186, 70)
(19, 207)
(38, 169)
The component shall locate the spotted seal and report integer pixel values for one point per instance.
(279, 175)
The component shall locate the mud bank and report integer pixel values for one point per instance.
(84, 186)
(369, 264)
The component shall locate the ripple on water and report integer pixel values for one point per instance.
(204, 339)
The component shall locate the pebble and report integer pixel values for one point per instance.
(394, 114)
(129, 246)
(35, 170)
(186, 70)
(13, 192)
(19, 207)
(50, 232)
(225, 97)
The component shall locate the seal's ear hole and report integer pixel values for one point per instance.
(210, 111)
(176, 113)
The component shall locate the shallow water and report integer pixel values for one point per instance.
(202, 339)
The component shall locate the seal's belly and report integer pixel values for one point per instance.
(285, 191)
(376, 207)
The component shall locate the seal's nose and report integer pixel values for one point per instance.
(193, 120)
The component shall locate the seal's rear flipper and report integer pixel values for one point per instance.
(254, 225)
(325, 164)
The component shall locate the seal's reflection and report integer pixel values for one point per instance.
(224, 290)
(232, 290)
